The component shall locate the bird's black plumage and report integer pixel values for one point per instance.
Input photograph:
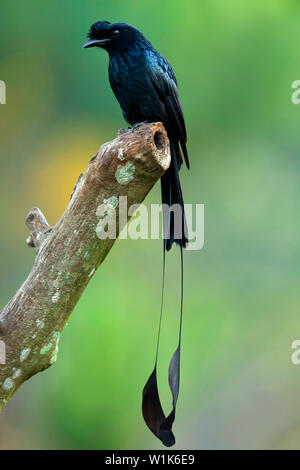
(145, 85)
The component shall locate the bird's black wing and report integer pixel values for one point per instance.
(164, 81)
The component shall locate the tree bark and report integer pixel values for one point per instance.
(69, 253)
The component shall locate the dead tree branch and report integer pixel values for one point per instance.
(69, 253)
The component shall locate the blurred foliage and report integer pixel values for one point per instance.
(235, 62)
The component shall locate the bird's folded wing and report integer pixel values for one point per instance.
(163, 79)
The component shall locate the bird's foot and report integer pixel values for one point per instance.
(138, 124)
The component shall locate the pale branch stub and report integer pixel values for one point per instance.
(69, 253)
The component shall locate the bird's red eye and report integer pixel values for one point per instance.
(115, 33)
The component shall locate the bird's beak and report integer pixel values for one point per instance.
(95, 43)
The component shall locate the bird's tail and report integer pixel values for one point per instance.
(174, 232)
(175, 228)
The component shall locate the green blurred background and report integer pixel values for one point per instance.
(235, 62)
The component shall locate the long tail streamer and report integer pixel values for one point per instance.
(153, 413)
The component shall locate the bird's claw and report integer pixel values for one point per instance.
(138, 124)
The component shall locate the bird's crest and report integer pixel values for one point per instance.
(97, 29)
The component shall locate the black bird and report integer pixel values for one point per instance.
(145, 85)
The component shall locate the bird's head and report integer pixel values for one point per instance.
(112, 37)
